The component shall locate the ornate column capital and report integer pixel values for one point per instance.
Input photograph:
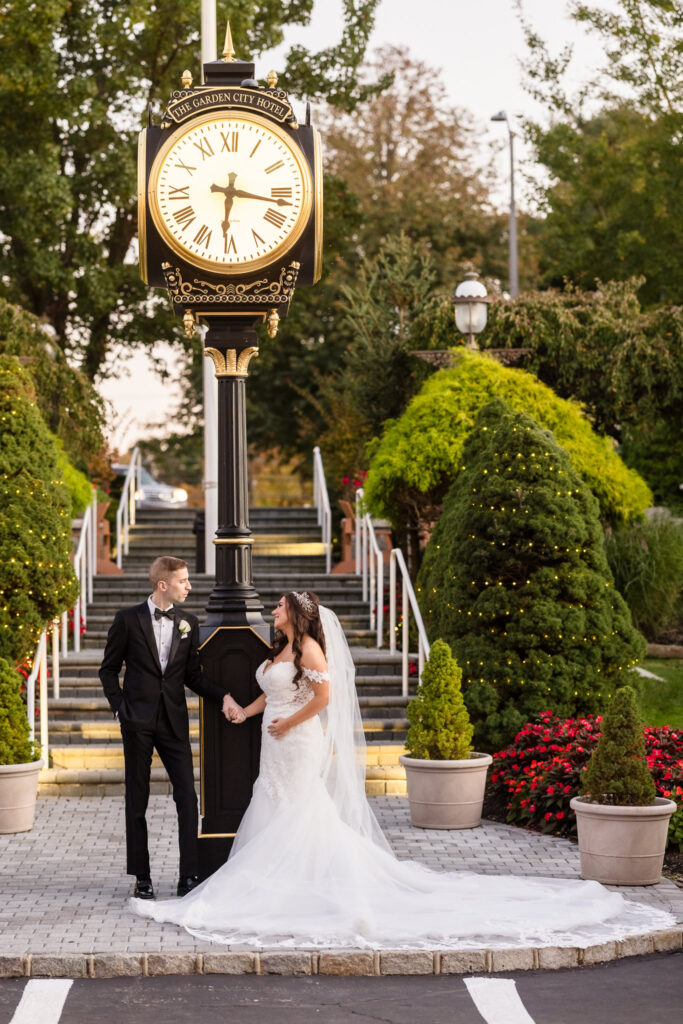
(229, 363)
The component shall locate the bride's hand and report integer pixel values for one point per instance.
(278, 727)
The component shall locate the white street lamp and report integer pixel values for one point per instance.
(470, 301)
(514, 277)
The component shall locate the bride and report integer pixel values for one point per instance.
(310, 866)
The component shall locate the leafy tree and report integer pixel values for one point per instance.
(67, 400)
(413, 162)
(420, 455)
(76, 81)
(516, 580)
(613, 202)
(440, 727)
(37, 582)
(617, 772)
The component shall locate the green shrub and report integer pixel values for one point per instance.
(617, 772)
(646, 560)
(420, 455)
(15, 745)
(77, 483)
(516, 580)
(440, 728)
(37, 581)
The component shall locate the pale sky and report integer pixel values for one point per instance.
(475, 45)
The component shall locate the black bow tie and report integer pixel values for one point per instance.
(168, 614)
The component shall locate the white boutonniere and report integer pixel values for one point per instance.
(184, 628)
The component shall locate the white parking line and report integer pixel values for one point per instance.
(498, 1001)
(42, 1002)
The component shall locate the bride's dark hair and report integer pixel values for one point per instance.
(304, 622)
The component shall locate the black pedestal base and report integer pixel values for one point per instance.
(229, 754)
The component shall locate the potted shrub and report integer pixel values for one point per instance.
(446, 779)
(19, 757)
(622, 824)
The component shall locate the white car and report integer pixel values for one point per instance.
(152, 493)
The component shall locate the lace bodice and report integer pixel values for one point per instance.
(276, 679)
(290, 763)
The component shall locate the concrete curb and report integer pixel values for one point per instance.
(340, 963)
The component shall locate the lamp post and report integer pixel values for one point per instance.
(514, 279)
(470, 301)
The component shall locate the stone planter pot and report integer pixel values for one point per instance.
(622, 845)
(446, 794)
(18, 791)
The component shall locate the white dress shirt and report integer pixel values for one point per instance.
(163, 633)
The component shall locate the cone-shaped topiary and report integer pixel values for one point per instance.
(516, 580)
(15, 745)
(440, 728)
(617, 772)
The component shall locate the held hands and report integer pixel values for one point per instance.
(232, 710)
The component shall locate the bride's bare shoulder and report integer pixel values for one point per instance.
(312, 655)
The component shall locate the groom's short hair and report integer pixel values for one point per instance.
(161, 568)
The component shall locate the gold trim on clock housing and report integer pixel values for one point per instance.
(262, 261)
(318, 249)
(142, 204)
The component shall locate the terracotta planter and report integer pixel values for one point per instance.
(622, 845)
(446, 794)
(18, 791)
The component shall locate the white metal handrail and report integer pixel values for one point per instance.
(370, 566)
(408, 600)
(321, 501)
(84, 570)
(125, 513)
(38, 671)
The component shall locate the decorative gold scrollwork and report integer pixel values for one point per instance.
(230, 363)
(203, 292)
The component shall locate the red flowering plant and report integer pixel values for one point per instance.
(533, 779)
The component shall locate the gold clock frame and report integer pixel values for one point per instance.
(263, 261)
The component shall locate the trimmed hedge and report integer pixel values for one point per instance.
(420, 455)
(37, 581)
(516, 580)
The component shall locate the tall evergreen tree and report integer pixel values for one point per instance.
(516, 579)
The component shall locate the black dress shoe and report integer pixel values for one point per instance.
(143, 889)
(187, 884)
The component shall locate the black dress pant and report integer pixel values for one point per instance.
(176, 755)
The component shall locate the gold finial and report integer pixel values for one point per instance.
(272, 79)
(188, 321)
(186, 80)
(228, 51)
(272, 323)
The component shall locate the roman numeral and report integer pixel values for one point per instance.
(203, 236)
(281, 193)
(186, 168)
(275, 167)
(230, 245)
(255, 148)
(230, 142)
(257, 238)
(273, 217)
(185, 216)
(179, 193)
(204, 147)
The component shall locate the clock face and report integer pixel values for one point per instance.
(230, 193)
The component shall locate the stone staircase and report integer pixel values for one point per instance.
(86, 754)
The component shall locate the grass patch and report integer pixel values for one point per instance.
(661, 701)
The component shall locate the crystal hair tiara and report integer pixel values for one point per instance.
(304, 600)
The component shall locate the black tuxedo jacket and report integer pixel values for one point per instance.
(131, 640)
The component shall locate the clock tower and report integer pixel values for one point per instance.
(230, 222)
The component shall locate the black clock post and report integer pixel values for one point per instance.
(230, 294)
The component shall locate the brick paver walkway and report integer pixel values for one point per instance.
(64, 889)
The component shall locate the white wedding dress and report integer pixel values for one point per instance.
(310, 867)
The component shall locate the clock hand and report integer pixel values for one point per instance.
(241, 194)
(229, 191)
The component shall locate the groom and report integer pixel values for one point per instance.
(159, 647)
